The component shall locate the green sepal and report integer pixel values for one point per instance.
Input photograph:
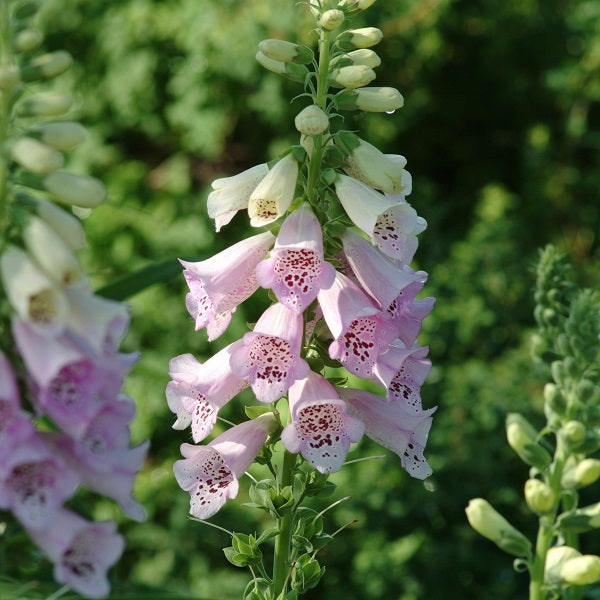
(334, 229)
(267, 535)
(535, 456)
(26, 10)
(255, 411)
(298, 153)
(337, 381)
(321, 540)
(301, 543)
(329, 176)
(260, 497)
(282, 501)
(306, 573)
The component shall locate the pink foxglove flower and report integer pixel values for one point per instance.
(388, 424)
(210, 473)
(361, 331)
(15, 424)
(218, 284)
(231, 194)
(320, 429)
(403, 371)
(274, 194)
(82, 552)
(379, 276)
(392, 224)
(34, 483)
(296, 269)
(408, 313)
(269, 359)
(198, 391)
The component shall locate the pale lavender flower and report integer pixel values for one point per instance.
(210, 473)
(408, 313)
(82, 552)
(390, 222)
(269, 359)
(321, 430)
(296, 269)
(198, 391)
(218, 284)
(389, 424)
(34, 482)
(360, 330)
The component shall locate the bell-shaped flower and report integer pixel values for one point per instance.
(103, 459)
(391, 224)
(218, 284)
(408, 313)
(82, 551)
(388, 424)
(321, 430)
(231, 194)
(67, 226)
(32, 294)
(383, 279)
(15, 424)
(273, 195)
(402, 371)
(34, 482)
(198, 391)
(210, 473)
(360, 330)
(296, 269)
(269, 359)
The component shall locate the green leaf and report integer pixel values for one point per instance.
(255, 411)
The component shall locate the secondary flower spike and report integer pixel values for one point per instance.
(210, 473)
(218, 284)
(296, 269)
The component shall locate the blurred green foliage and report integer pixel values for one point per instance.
(502, 132)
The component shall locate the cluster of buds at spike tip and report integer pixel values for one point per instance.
(65, 422)
(336, 260)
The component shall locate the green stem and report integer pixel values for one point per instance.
(5, 109)
(544, 539)
(281, 560)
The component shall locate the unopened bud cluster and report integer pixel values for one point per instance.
(65, 422)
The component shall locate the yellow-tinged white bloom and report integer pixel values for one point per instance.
(274, 194)
(78, 190)
(353, 76)
(291, 70)
(311, 120)
(362, 56)
(28, 40)
(231, 194)
(54, 257)
(539, 496)
(490, 524)
(585, 472)
(62, 135)
(65, 224)
(331, 19)
(581, 570)
(47, 65)
(556, 557)
(283, 51)
(371, 99)
(46, 104)
(32, 294)
(364, 37)
(522, 438)
(356, 4)
(35, 156)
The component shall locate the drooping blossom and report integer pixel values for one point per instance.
(274, 194)
(231, 194)
(198, 391)
(296, 269)
(103, 458)
(269, 359)
(320, 429)
(82, 551)
(218, 284)
(210, 473)
(389, 424)
(390, 222)
(34, 482)
(360, 330)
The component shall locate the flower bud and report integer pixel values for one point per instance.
(555, 405)
(584, 473)
(588, 392)
(484, 519)
(62, 135)
(331, 19)
(359, 38)
(573, 433)
(311, 120)
(556, 557)
(66, 225)
(559, 373)
(362, 56)
(351, 77)
(47, 66)
(355, 4)
(51, 253)
(539, 496)
(370, 99)
(78, 190)
(26, 9)
(291, 70)
(581, 570)
(28, 40)
(9, 76)
(35, 156)
(46, 104)
(283, 51)
(522, 438)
